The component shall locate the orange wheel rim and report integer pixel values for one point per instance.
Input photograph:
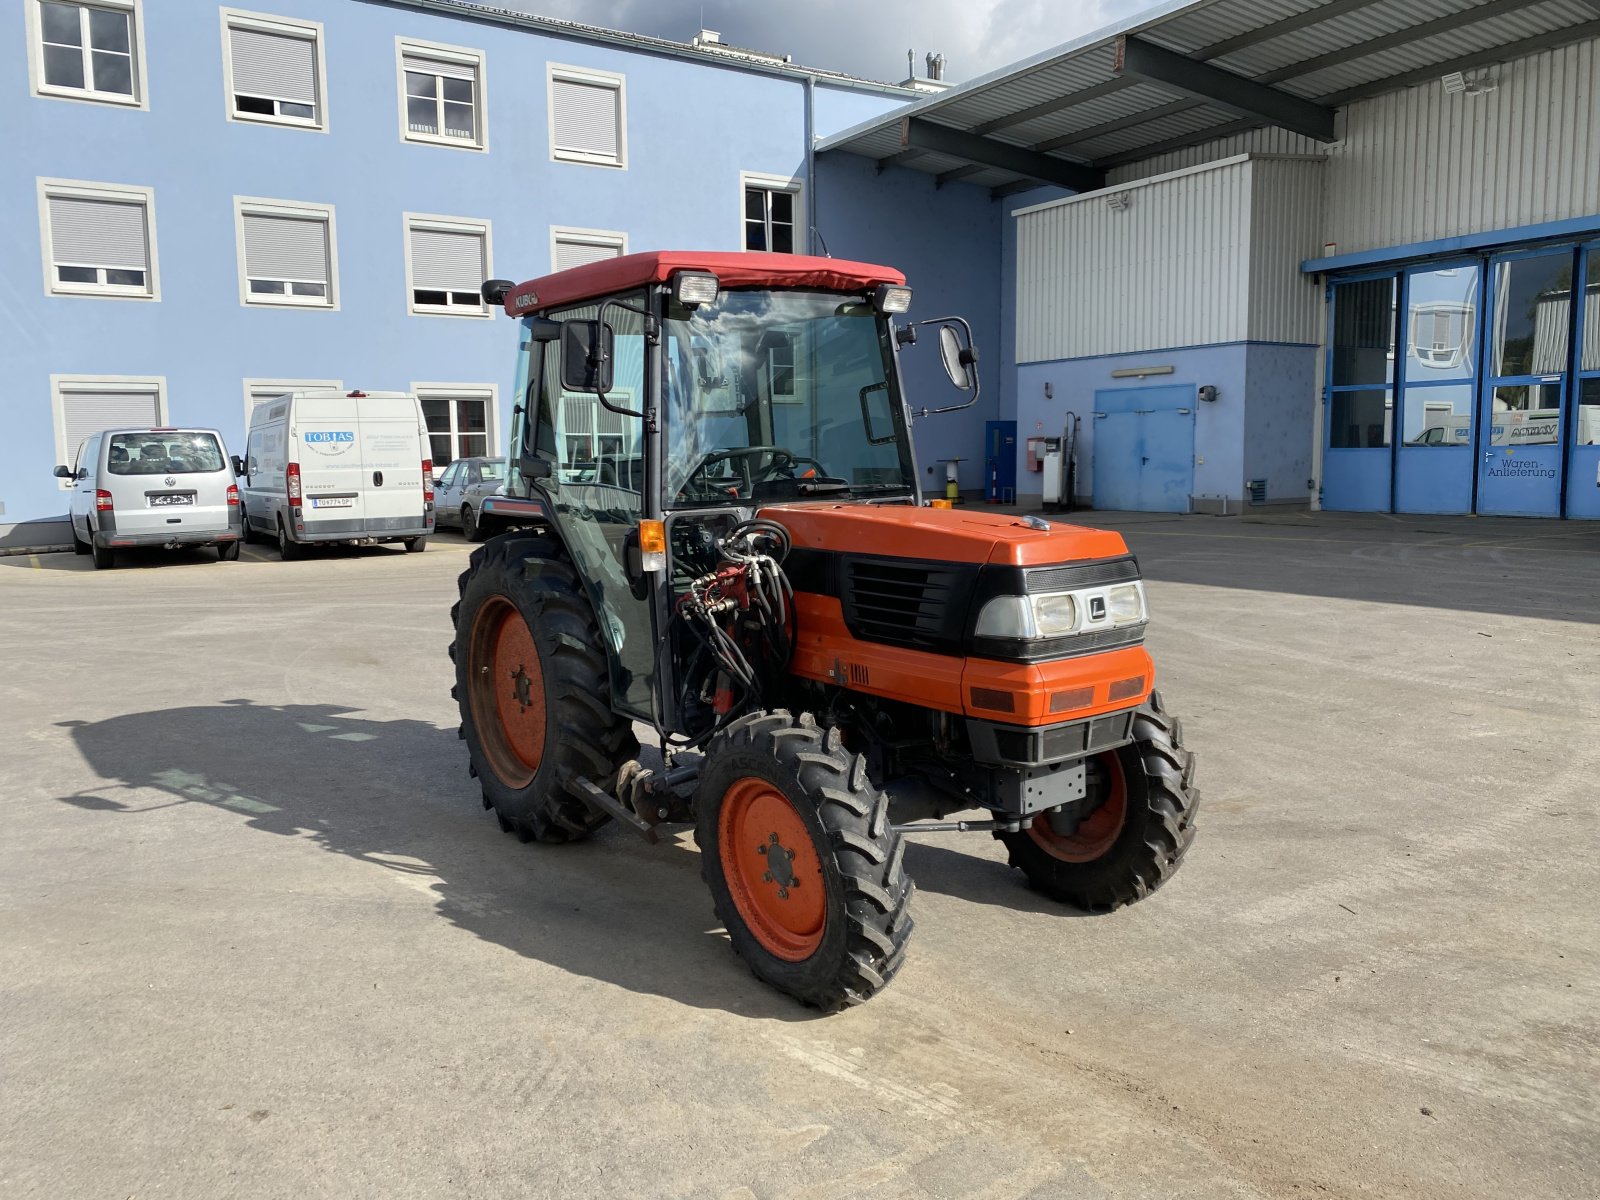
(506, 687)
(1098, 831)
(772, 869)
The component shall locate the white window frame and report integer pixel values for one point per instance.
(252, 386)
(461, 56)
(284, 26)
(139, 100)
(286, 208)
(61, 385)
(588, 237)
(489, 393)
(795, 186)
(83, 189)
(587, 75)
(471, 225)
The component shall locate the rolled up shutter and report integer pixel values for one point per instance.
(446, 260)
(279, 247)
(586, 118)
(440, 66)
(98, 233)
(88, 412)
(276, 65)
(576, 254)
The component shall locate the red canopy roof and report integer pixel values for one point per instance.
(737, 269)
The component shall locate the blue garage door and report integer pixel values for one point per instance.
(1144, 448)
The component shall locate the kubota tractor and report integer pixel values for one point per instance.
(714, 531)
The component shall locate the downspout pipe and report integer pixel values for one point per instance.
(811, 164)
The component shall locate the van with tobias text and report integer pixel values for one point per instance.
(327, 466)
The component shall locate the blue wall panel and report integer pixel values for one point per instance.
(947, 241)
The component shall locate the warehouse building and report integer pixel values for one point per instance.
(1325, 252)
(1336, 251)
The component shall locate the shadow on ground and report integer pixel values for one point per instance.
(394, 795)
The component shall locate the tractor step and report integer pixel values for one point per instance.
(608, 803)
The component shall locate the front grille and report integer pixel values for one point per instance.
(1070, 577)
(905, 604)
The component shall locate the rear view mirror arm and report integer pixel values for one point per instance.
(969, 359)
(597, 354)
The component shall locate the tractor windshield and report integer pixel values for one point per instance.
(781, 396)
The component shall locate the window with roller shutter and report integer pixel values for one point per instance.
(98, 239)
(441, 94)
(85, 404)
(273, 69)
(286, 253)
(447, 260)
(588, 117)
(575, 247)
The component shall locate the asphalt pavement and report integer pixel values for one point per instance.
(258, 937)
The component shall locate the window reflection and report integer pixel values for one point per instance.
(1441, 326)
(1589, 350)
(1589, 412)
(1532, 310)
(1526, 414)
(1438, 416)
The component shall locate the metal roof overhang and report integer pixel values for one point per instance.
(1196, 70)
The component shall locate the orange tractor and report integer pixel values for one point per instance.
(714, 537)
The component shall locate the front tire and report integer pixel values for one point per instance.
(533, 685)
(1136, 838)
(78, 545)
(805, 870)
(470, 529)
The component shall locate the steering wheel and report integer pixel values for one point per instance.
(780, 465)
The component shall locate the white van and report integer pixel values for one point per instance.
(326, 466)
(152, 487)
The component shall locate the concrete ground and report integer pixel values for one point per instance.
(258, 938)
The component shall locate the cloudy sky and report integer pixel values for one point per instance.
(863, 37)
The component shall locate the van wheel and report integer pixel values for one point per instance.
(228, 551)
(416, 545)
(104, 559)
(78, 545)
(288, 549)
(249, 534)
(470, 529)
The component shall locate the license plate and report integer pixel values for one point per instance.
(169, 501)
(333, 502)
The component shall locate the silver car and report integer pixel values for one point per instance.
(153, 487)
(459, 491)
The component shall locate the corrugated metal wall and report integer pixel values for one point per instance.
(1257, 141)
(1423, 164)
(1171, 269)
(1285, 229)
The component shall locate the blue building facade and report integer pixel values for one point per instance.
(210, 204)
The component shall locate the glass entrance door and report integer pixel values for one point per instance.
(1357, 466)
(1583, 467)
(1525, 386)
(1433, 455)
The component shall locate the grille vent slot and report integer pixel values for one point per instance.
(903, 605)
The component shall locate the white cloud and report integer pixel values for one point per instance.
(862, 38)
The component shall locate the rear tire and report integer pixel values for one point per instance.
(1115, 858)
(288, 549)
(533, 685)
(416, 545)
(805, 870)
(228, 551)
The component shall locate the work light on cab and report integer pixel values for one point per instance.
(892, 299)
(694, 288)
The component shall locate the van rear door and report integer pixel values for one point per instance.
(325, 431)
(167, 481)
(391, 463)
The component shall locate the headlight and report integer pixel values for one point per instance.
(1062, 614)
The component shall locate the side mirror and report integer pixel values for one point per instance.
(958, 358)
(494, 290)
(238, 464)
(586, 349)
(64, 472)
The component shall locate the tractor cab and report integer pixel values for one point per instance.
(713, 528)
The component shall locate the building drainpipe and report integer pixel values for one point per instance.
(811, 171)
